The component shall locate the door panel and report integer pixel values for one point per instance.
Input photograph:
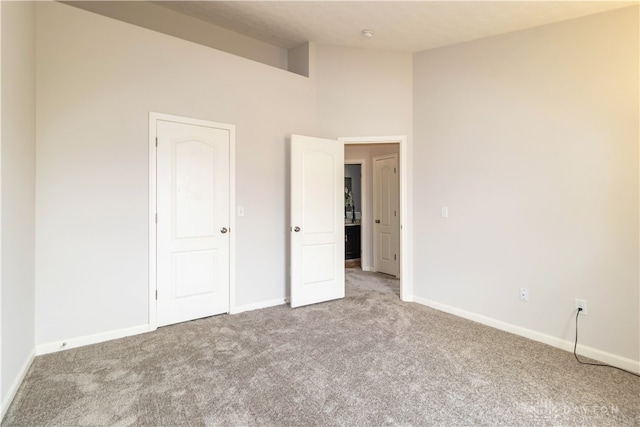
(194, 192)
(193, 220)
(317, 225)
(320, 263)
(386, 246)
(386, 225)
(193, 274)
(318, 186)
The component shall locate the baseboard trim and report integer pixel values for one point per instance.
(61, 345)
(593, 353)
(259, 305)
(15, 385)
(56, 346)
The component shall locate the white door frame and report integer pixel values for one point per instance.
(406, 202)
(153, 186)
(364, 240)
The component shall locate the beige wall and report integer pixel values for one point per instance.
(163, 19)
(98, 79)
(363, 92)
(18, 192)
(299, 58)
(531, 140)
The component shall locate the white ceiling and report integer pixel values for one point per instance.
(408, 26)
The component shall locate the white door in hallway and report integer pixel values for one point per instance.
(317, 220)
(193, 212)
(386, 227)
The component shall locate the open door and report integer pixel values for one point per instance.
(317, 220)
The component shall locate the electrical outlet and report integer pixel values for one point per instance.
(524, 294)
(581, 303)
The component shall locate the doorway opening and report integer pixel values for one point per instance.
(363, 151)
(353, 212)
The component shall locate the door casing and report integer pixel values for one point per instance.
(153, 187)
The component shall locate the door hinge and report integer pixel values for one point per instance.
(156, 218)
(394, 170)
(394, 258)
(395, 213)
(156, 294)
(156, 141)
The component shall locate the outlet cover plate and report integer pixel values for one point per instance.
(582, 303)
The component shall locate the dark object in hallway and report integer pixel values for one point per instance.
(352, 241)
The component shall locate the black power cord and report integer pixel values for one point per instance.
(594, 364)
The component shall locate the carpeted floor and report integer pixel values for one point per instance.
(366, 360)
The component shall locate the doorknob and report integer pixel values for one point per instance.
(223, 230)
(377, 221)
(296, 229)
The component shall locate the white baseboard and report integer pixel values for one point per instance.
(259, 305)
(11, 393)
(593, 353)
(90, 339)
(60, 345)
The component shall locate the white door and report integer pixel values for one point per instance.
(386, 221)
(317, 220)
(193, 221)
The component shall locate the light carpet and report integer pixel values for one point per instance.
(366, 360)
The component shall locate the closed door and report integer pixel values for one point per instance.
(193, 213)
(317, 220)
(386, 224)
